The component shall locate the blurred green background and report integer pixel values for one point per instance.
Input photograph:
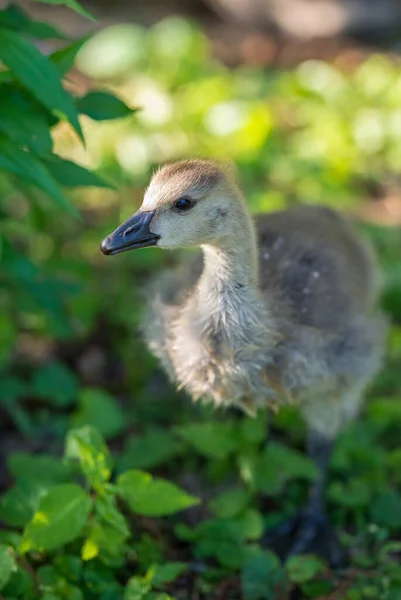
(322, 130)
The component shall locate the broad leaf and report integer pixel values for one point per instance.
(301, 569)
(64, 59)
(56, 383)
(278, 464)
(7, 564)
(166, 573)
(44, 468)
(70, 174)
(97, 408)
(262, 575)
(152, 497)
(222, 539)
(149, 450)
(215, 440)
(59, 519)
(18, 504)
(386, 509)
(107, 512)
(137, 588)
(103, 106)
(37, 74)
(230, 503)
(19, 162)
(254, 429)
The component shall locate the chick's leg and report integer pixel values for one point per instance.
(309, 530)
(312, 529)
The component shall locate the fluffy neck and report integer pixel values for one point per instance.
(230, 265)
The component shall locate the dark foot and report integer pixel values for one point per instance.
(306, 533)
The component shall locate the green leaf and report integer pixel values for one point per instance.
(20, 585)
(73, 4)
(100, 579)
(354, 493)
(64, 59)
(152, 497)
(102, 538)
(230, 503)
(87, 446)
(12, 389)
(107, 533)
(254, 429)
(222, 539)
(70, 174)
(13, 17)
(386, 509)
(97, 408)
(49, 579)
(7, 564)
(18, 504)
(137, 588)
(70, 566)
(44, 468)
(278, 464)
(25, 165)
(150, 450)
(250, 524)
(56, 383)
(301, 569)
(103, 106)
(37, 74)
(59, 519)
(214, 440)
(167, 573)
(107, 512)
(262, 575)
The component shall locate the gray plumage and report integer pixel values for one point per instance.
(282, 308)
(285, 312)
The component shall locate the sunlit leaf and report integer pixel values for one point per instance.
(59, 519)
(87, 446)
(152, 497)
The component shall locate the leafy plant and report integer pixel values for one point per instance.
(117, 486)
(63, 520)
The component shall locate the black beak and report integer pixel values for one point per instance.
(133, 233)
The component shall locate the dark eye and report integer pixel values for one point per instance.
(184, 204)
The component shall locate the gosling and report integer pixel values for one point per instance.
(278, 309)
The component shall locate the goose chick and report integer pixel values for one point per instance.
(273, 310)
